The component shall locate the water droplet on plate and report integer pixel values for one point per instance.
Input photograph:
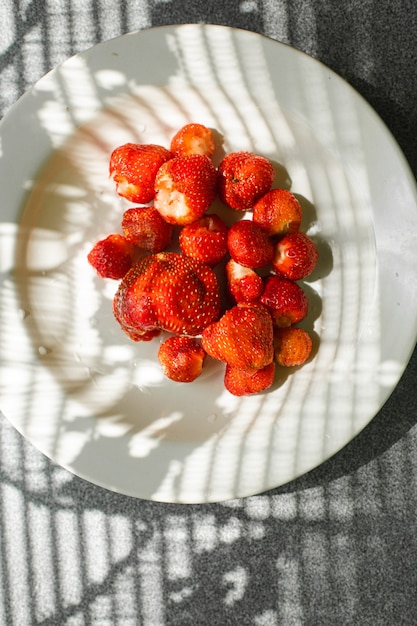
(23, 314)
(43, 351)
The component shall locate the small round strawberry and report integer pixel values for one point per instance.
(292, 346)
(133, 168)
(243, 337)
(285, 300)
(111, 257)
(278, 212)
(145, 228)
(243, 283)
(249, 244)
(245, 383)
(295, 256)
(185, 187)
(167, 291)
(181, 358)
(193, 139)
(243, 177)
(205, 239)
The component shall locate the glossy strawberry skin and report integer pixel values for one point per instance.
(167, 291)
(181, 358)
(243, 177)
(185, 188)
(133, 168)
(243, 337)
(205, 239)
(244, 284)
(193, 139)
(295, 256)
(111, 257)
(285, 300)
(292, 346)
(145, 228)
(249, 245)
(245, 383)
(278, 212)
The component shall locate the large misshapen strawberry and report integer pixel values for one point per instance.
(167, 291)
(185, 187)
(133, 168)
(243, 337)
(243, 177)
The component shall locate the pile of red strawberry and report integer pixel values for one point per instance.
(179, 292)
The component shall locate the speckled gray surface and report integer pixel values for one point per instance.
(337, 546)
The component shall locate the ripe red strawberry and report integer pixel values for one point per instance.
(244, 284)
(278, 212)
(295, 256)
(285, 300)
(193, 139)
(133, 168)
(249, 244)
(292, 346)
(244, 177)
(243, 337)
(245, 383)
(185, 187)
(170, 292)
(145, 228)
(181, 358)
(111, 257)
(205, 239)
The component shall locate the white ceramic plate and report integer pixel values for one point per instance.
(96, 403)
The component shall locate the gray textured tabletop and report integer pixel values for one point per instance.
(336, 546)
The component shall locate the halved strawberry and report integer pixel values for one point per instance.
(295, 256)
(249, 244)
(133, 168)
(111, 257)
(205, 239)
(244, 284)
(245, 383)
(292, 346)
(278, 212)
(170, 292)
(193, 139)
(146, 229)
(185, 187)
(181, 358)
(285, 300)
(243, 177)
(243, 337)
